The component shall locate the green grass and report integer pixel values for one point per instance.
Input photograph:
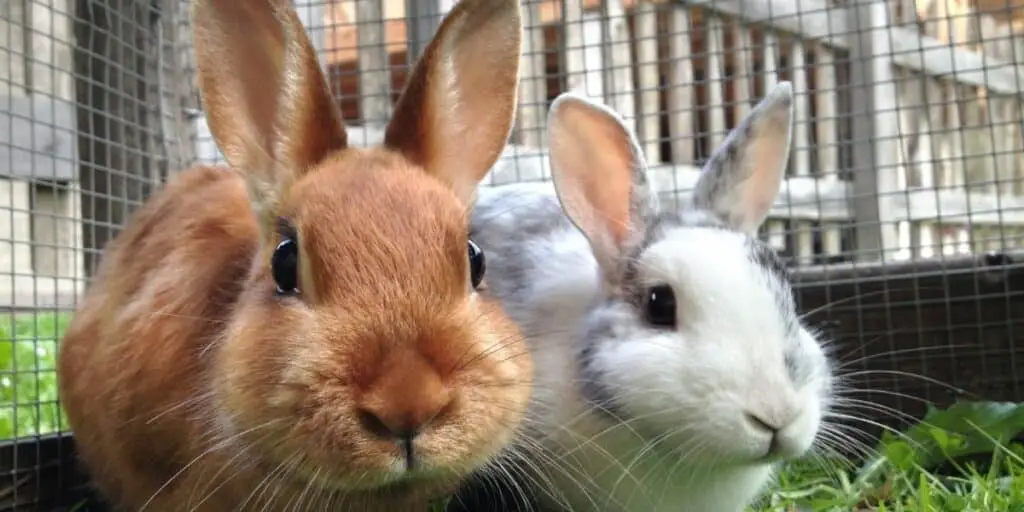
(28, 374)
(831, 486)
(957, 459)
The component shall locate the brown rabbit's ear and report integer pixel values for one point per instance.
(269, 107)
(456, 112)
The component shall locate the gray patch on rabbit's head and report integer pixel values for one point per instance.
(506, 224)
(762, 255)
(611, 321)
(778, 277)
(531, 208)
(655, 228)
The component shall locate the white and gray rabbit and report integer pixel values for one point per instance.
(672, 369)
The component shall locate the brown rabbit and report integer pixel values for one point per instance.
(303, 330)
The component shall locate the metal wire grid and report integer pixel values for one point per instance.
(907, 161)
(88, 128)
(908, 157)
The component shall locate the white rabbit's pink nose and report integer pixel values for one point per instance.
(774, 421)
(781, 431)
(760, 423)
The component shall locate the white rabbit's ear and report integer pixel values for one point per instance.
(600, 176)
(740, 182)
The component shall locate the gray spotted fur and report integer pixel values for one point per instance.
(509, 220)
(518, 224)
(528, 240)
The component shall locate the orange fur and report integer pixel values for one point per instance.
(190, 385)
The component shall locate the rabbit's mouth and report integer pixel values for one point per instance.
(393, 483)
(405, 492)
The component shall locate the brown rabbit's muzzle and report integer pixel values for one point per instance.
(412, 395)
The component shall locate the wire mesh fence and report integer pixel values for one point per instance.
(901, 213)
(84, 137)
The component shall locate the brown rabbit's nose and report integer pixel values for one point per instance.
(404, 400)
(400, 428)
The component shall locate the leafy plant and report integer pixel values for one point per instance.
(28, 374)
(965, 429)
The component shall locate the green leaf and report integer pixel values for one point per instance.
(966, 428)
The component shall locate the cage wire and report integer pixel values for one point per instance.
(901, 217)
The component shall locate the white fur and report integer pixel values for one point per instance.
(695, 383)
(688, 394)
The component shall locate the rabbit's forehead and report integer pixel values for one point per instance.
(365, 226)
(729, 285)
(720, 271)
(377, 194)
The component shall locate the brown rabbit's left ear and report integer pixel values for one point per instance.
(456, 112)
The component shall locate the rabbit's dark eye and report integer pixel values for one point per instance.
(477, 265)
(284, 265)
(660, 305)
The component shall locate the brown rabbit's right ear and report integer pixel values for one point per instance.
(456, 112)
(268, 104)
